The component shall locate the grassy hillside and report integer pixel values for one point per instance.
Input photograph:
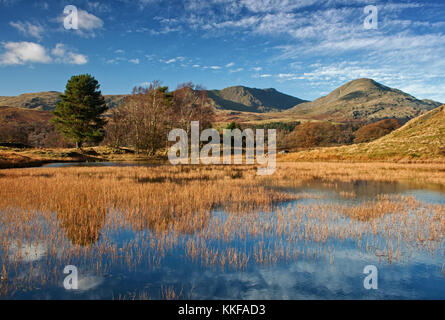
(23, 117)
(422, 138)
(253, 100)
(47, 100)
(36, 101)
(364, 99)
(28, 127)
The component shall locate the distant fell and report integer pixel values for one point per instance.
(364, 100)
(46, 101)
(234, 98)
(27, 127)
(35, 101)
(241, 98)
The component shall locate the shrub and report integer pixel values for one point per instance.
(376, 130)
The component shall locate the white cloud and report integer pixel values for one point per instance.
(242, 23)
(78, 59)
(236, 70)
(28, 29)
(135, 61)
(20, 53)
(115, 60)
(286, 75)
(276, 5)
(88, 23)
(229, 65)
(98, 6)
(63, 56)
(164, 30)
(17, 53)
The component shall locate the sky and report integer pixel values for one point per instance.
(305, 48)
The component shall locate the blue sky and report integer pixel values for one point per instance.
(303, 47)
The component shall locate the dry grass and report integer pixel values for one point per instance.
(432, 174)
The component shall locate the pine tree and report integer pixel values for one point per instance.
(78, 114)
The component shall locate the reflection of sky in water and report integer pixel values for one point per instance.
(419, 276)
(427, 196)
(99, 164)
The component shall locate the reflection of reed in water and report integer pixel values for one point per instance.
(82, 227)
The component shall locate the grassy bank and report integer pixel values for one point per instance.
(23, 158)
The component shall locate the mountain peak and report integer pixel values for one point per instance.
(365, 99)
(354, 87)
(365, 81)
(242, 98)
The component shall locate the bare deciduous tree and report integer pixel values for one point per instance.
(149, 113)
(190, 103)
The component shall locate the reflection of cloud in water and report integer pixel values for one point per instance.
(85, 283)
(89, 282)
(26, 252)
(308, 280)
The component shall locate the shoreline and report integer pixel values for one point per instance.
(35, 158)
(30, 158)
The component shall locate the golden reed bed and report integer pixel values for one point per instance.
(66, 214)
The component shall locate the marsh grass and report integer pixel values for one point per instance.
(220, 217)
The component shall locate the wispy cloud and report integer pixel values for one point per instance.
(28, 29)
(236, 70)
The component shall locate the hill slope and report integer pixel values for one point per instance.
(364, 99)
(47, 100)
(28, 127)
(36, 101)
(250, 99)
(421, 138)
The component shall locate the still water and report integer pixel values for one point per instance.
(323, 261)
(98, 164)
